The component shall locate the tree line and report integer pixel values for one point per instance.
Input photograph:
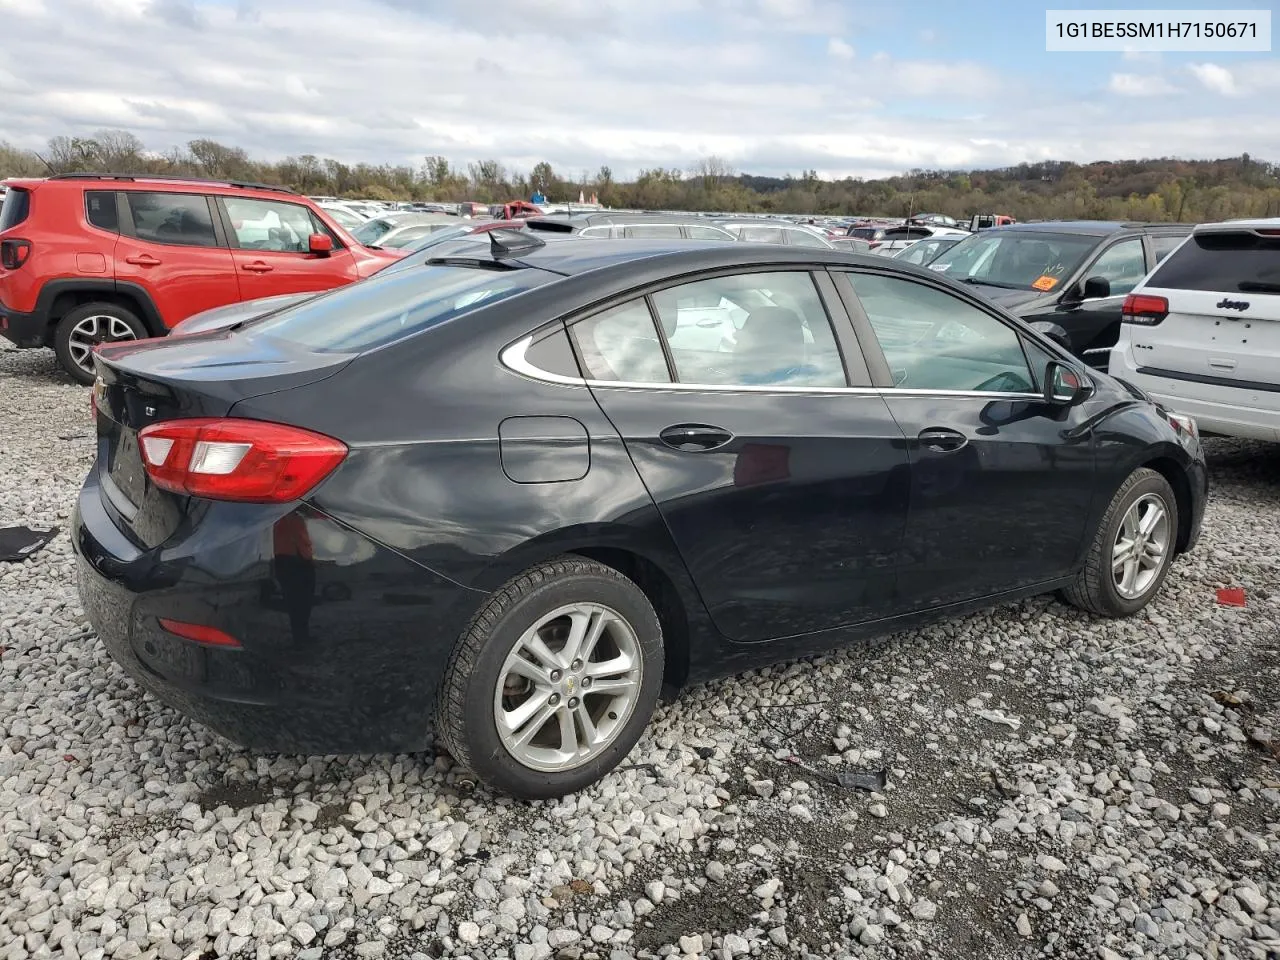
(1151, 189)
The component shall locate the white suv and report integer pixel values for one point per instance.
(1201, 333)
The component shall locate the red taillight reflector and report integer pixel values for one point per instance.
(1143, 309)
(251, 461)
(14, 253)
(198, 633)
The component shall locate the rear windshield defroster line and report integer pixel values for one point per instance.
(390, 307)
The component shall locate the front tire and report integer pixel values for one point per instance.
(554, 680)
(83, 328)
(1131, 550)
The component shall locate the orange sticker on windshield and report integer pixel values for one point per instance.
(1045, 283)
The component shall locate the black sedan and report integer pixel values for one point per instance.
(507, 496)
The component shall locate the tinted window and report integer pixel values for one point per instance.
(697, 232)
(803, 238)
(1017, 260)
(271, 225)
(1225, 262)
(622, 344)
(1163, 246)
(654, 231)
(933, 340)
(1123, 264)
(755, 329)
(761, 234)
(392, 306)
(100, 208)
(866, 233)
(172, 218)
(17, 205)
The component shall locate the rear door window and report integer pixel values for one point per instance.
(1228, 261)
(652, 231)
(803, 238)
(762, 234)
(753, 329)
(176, 218)
(1163, 246)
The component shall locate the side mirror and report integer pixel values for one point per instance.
(320, 243)
(1095, 288)
(1063, 386)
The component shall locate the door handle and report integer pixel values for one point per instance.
(694, 437)
(942, 440)
(257, 267)
(143, 260)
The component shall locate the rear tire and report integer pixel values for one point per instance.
(82, 328)
(1131, 550)
(554, 680)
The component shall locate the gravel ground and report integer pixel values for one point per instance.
(1057, 786)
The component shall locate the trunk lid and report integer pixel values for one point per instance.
(1223, 289)
(146, 381)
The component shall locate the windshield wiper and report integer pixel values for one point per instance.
(1258, 286)
(991, 283)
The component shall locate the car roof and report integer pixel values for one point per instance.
(577, 255)
(161, 183)
(1090, 228)
(1259, 223)
(621, 216)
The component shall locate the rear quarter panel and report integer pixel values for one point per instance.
(425, 474)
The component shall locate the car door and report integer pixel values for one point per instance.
(784, 488)
(172, 249)
(1092, 318)
(1000, 481)
(270, 246)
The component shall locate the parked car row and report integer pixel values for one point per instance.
(92, 259)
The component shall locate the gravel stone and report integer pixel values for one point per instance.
(1113, 821)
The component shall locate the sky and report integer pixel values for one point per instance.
(864, 88)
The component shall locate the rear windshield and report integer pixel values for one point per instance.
(390, 307)
(1222, 262)
(17, 204)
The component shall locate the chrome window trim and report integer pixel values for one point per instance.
(513, 358)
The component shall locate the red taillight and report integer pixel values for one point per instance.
(1144, 310)
(246, 460)
(14, 253)
(198, 633)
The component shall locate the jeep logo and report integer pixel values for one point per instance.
(1225, 304)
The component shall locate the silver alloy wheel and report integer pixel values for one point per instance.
(568, 687)
(93, 330)
(1141, 546)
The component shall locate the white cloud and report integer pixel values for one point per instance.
(839, 49)
(1214, 77)
(1140, 85)
(1141, 56)
(568, 82)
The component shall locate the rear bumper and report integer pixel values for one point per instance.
(1230, 411)
(23, 329)
(341, 652)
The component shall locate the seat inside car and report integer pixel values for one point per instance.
(771, 339)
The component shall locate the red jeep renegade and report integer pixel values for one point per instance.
(92, 258)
